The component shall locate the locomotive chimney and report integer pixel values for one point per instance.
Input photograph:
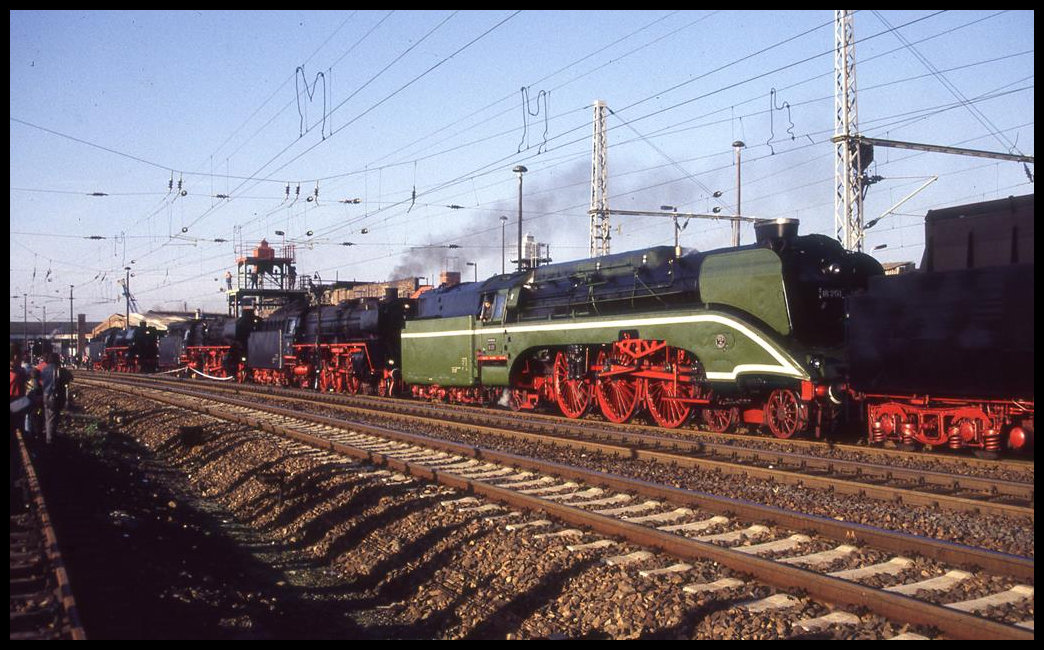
(775, 230)
(391, 293)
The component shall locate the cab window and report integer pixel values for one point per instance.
(498, 306)
(486, 311)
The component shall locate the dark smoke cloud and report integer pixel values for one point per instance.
(554, 211)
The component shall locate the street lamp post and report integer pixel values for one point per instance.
(520, 169)
(737, 145)
(126, 295)
(72, 333)
(503, 241)
(677, 231)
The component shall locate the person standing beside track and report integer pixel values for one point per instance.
(19, 379)
(18, 384)
(51, 381)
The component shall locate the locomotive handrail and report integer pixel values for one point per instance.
(647, 288)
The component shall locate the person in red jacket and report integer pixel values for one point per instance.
(18, 381)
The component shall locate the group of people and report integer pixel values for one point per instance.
(37, 393)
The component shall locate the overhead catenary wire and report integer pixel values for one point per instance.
(429, 193)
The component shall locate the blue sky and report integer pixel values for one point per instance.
(413, 112)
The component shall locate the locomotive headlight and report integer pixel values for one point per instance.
(815, 364)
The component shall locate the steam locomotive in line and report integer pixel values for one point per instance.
(792, 333)
(125, 350)
(944, 356)
(213, 346)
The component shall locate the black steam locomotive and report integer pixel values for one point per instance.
(210, 346)
(944, 356)
(135, 349)
(349, 347)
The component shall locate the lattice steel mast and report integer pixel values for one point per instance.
(848, 196)
(600, 227)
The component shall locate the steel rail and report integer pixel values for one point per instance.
(63, 586)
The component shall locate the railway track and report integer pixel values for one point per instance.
(686, 525)
(42, 605)
(537, 420)
(958, 484)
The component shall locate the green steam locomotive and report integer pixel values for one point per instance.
(753, 334)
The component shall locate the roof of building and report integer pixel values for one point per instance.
(35, 329)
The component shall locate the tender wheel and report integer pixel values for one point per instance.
(785, 414)
(661, 396)
(618, 396)
(573, 395)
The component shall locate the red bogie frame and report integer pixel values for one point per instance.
(952, 423)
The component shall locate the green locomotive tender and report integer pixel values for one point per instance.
(752, 334)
